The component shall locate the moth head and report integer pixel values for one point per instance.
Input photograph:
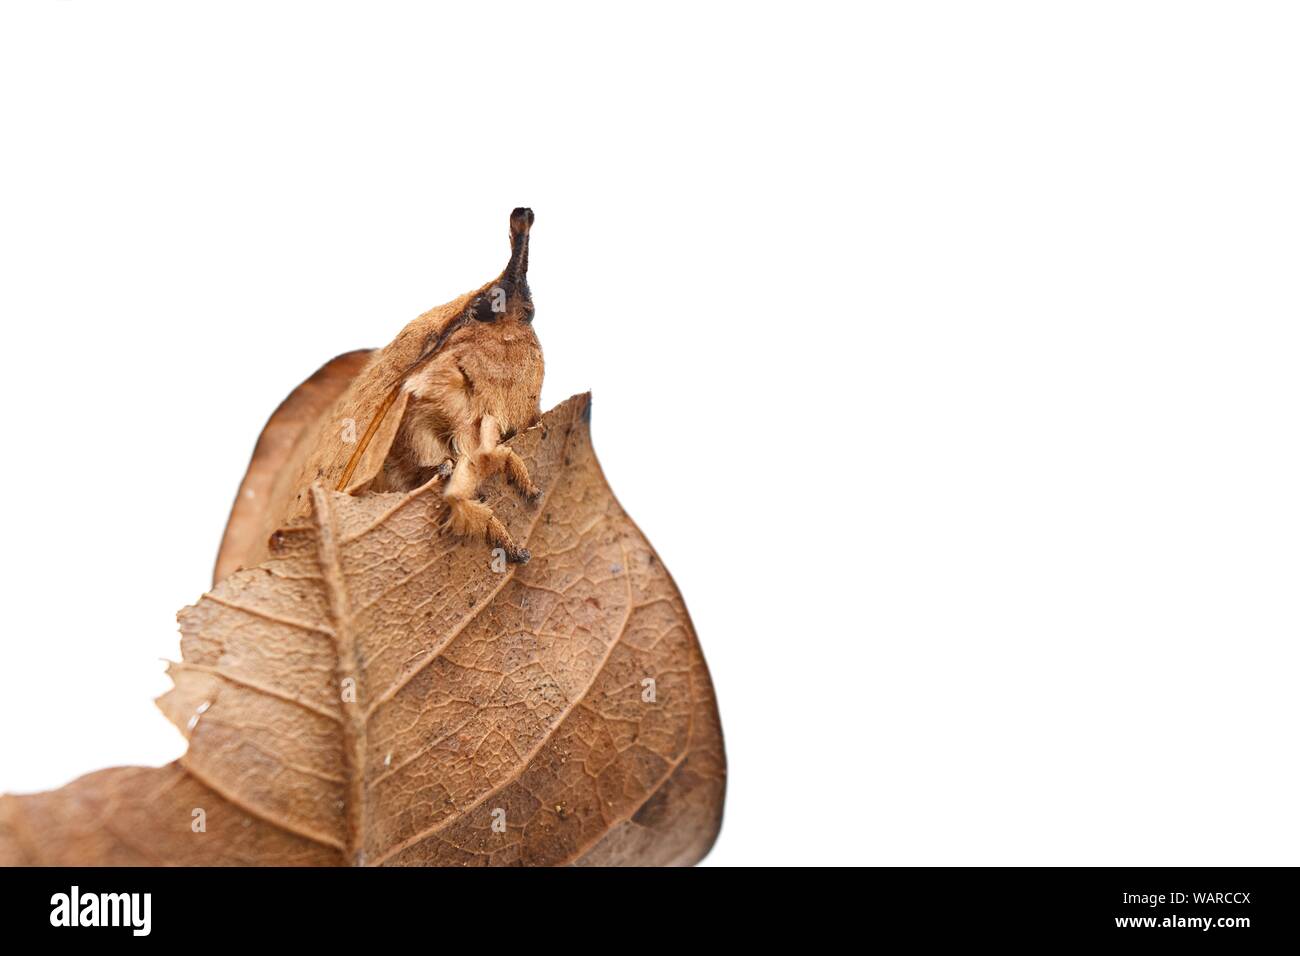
(508, 298)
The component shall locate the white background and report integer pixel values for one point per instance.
(946, 352)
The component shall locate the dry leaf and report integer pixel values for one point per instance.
(375, 692)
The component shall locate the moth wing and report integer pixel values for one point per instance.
(372, 459)
(274, 450)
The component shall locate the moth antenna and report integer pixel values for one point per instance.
(521, 220)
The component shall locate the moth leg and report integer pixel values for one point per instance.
(499, 457)
(469, 517)
(507, 459)
(494, 457)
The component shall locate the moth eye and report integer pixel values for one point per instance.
(481, 310)
(454, 446)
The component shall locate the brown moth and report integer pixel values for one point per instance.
(440, 401)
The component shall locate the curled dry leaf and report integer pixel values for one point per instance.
(376, 692)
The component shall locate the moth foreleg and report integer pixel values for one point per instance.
(506, 459)
(469, 517)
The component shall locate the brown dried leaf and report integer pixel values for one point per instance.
(516, 698)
